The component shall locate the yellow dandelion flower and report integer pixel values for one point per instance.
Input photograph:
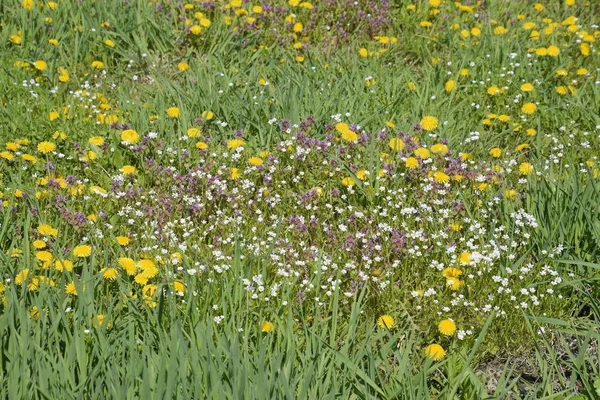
(255, 161)
(496, 152)
(44, 256)
(128, 170)
(510, 194)
(173, 112)
(525, 168)
(465, 257)
(396, 144)
(46, 147)
(70, 289)
(447, 327)
(47, 230)
(435, 352)
(529, 108)
(440, 177)
(422, 153)
(40, 65)
(109, 273)
(553, 51)
(451, 272)
(235, 173)
(386, 321)
(130, 136)
(267, 327)
(64, 265)
(411, 163)
(39, 244)
(193, 132)
(123, 240)
(348, 181)
(429, 123)
(439, 148)
(82, 251)
(235, 143)
(128, 265)
(526, 87)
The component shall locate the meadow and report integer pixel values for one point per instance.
(348, 199)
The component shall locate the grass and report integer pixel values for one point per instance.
(287, 189)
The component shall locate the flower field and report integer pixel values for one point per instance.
(291, 199)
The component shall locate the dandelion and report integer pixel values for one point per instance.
(97, 64)
(183, 66)
(208, 115)
(454, 283)
(47, 230)
(411, 163)
(255, 161)
(235, 143)
(201, 145)
(44, 256)
(429, 123)
(267, 327)
(440, 177)
(350, 136)
(39, 244)
(449, 85)
(386, 322)
(348, 181)
(123, 240)
(396, 144)
(128, 170)
(435, 352)
(528, 108)
(525, 168)
(21, 277)
(553, 51)
(179, 286)
(235, 173)
(447, 327)
(82, 251)
(99, 320)
(128, 265)
(193, 132)
(526, 87)
(109, 273)
(439, 148)
(422, 153)
(46, 147)
(493, 90)
(510, 194)
(96, 140)
(109, 43)
(141, 279)
(451, 272)
(495, 152)
(70, 289)
(173, 112)
(465, 257)
(64, 265)
(129, 136)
